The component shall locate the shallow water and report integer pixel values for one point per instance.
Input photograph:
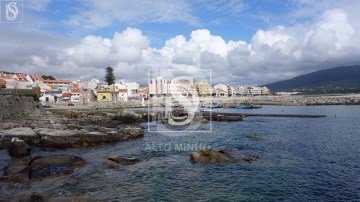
(301, 159)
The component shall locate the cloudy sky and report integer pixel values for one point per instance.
(241, 41)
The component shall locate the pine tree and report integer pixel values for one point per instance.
(109, 76)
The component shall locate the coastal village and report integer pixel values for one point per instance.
(94, 90)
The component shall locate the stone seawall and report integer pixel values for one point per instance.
(17, 105)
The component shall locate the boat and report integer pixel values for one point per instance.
(249, 106)
(216, 105)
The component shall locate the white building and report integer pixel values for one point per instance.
(158, 87)
(122, 95)
(59, 84)
(91, 84)
(221, 90)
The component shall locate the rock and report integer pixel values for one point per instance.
(54, 166)
(51, 138)
(222, 156)
(254, 137)
(209, 156)
(7, 126)
(18, 147)
(126, 116)
(123, 160)
(74, 127)
(74, 114)
(110, 115)
(17, 171)
(36, 197)
(27, 134)
(38, 168)
(251, 158)
(131, 132)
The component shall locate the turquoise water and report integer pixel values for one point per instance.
(301, 159)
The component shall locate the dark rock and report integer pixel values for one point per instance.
(123, 160)
(254, 137)
(126, 116)
(222, 156)
(209, 156)
(17, 171)
(51, 138)
(251, 158)
(38, 168)
(25, 133)
(36, 197)
(54, 166)
(18, 147)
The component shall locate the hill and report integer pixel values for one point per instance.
(334, 80)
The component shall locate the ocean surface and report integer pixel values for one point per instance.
(301, 159)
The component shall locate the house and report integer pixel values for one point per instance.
(182, 87)
(231, 90)
(132, 89)
(105, 95)
(122, 95)
(59, 84)
(50, 95)
(75, 95)
(90, 84)
(203, 89)
(265, 91)
(86, 95)
(252, 90)
(221, 90)
(144, 92)
(66, 97)
(239, 90)
(2, 83)
(158, 87)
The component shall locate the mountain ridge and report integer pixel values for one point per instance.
(343, 77)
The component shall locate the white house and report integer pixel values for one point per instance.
(221, 90)
(158, 87)
(122, 95)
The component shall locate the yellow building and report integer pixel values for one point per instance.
(204, 89)
(106, 94)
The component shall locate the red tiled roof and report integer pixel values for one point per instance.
(2, 82)
(66, 95)
(35, 77)
(56, 81)
(123, 90)
(75, 90)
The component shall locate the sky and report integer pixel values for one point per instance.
(247, 42)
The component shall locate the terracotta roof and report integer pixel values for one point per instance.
(35, 77)
(56, 81)
(6, 76)
(75, 90)
(123, 90)
(66, 95)
(2, 82)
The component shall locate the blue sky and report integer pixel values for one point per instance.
(238, 24)
(241, 41)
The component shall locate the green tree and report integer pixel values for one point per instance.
(48, 77)
(109, 76)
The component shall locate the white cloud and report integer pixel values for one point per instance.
(37, 5)
(273, 54)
